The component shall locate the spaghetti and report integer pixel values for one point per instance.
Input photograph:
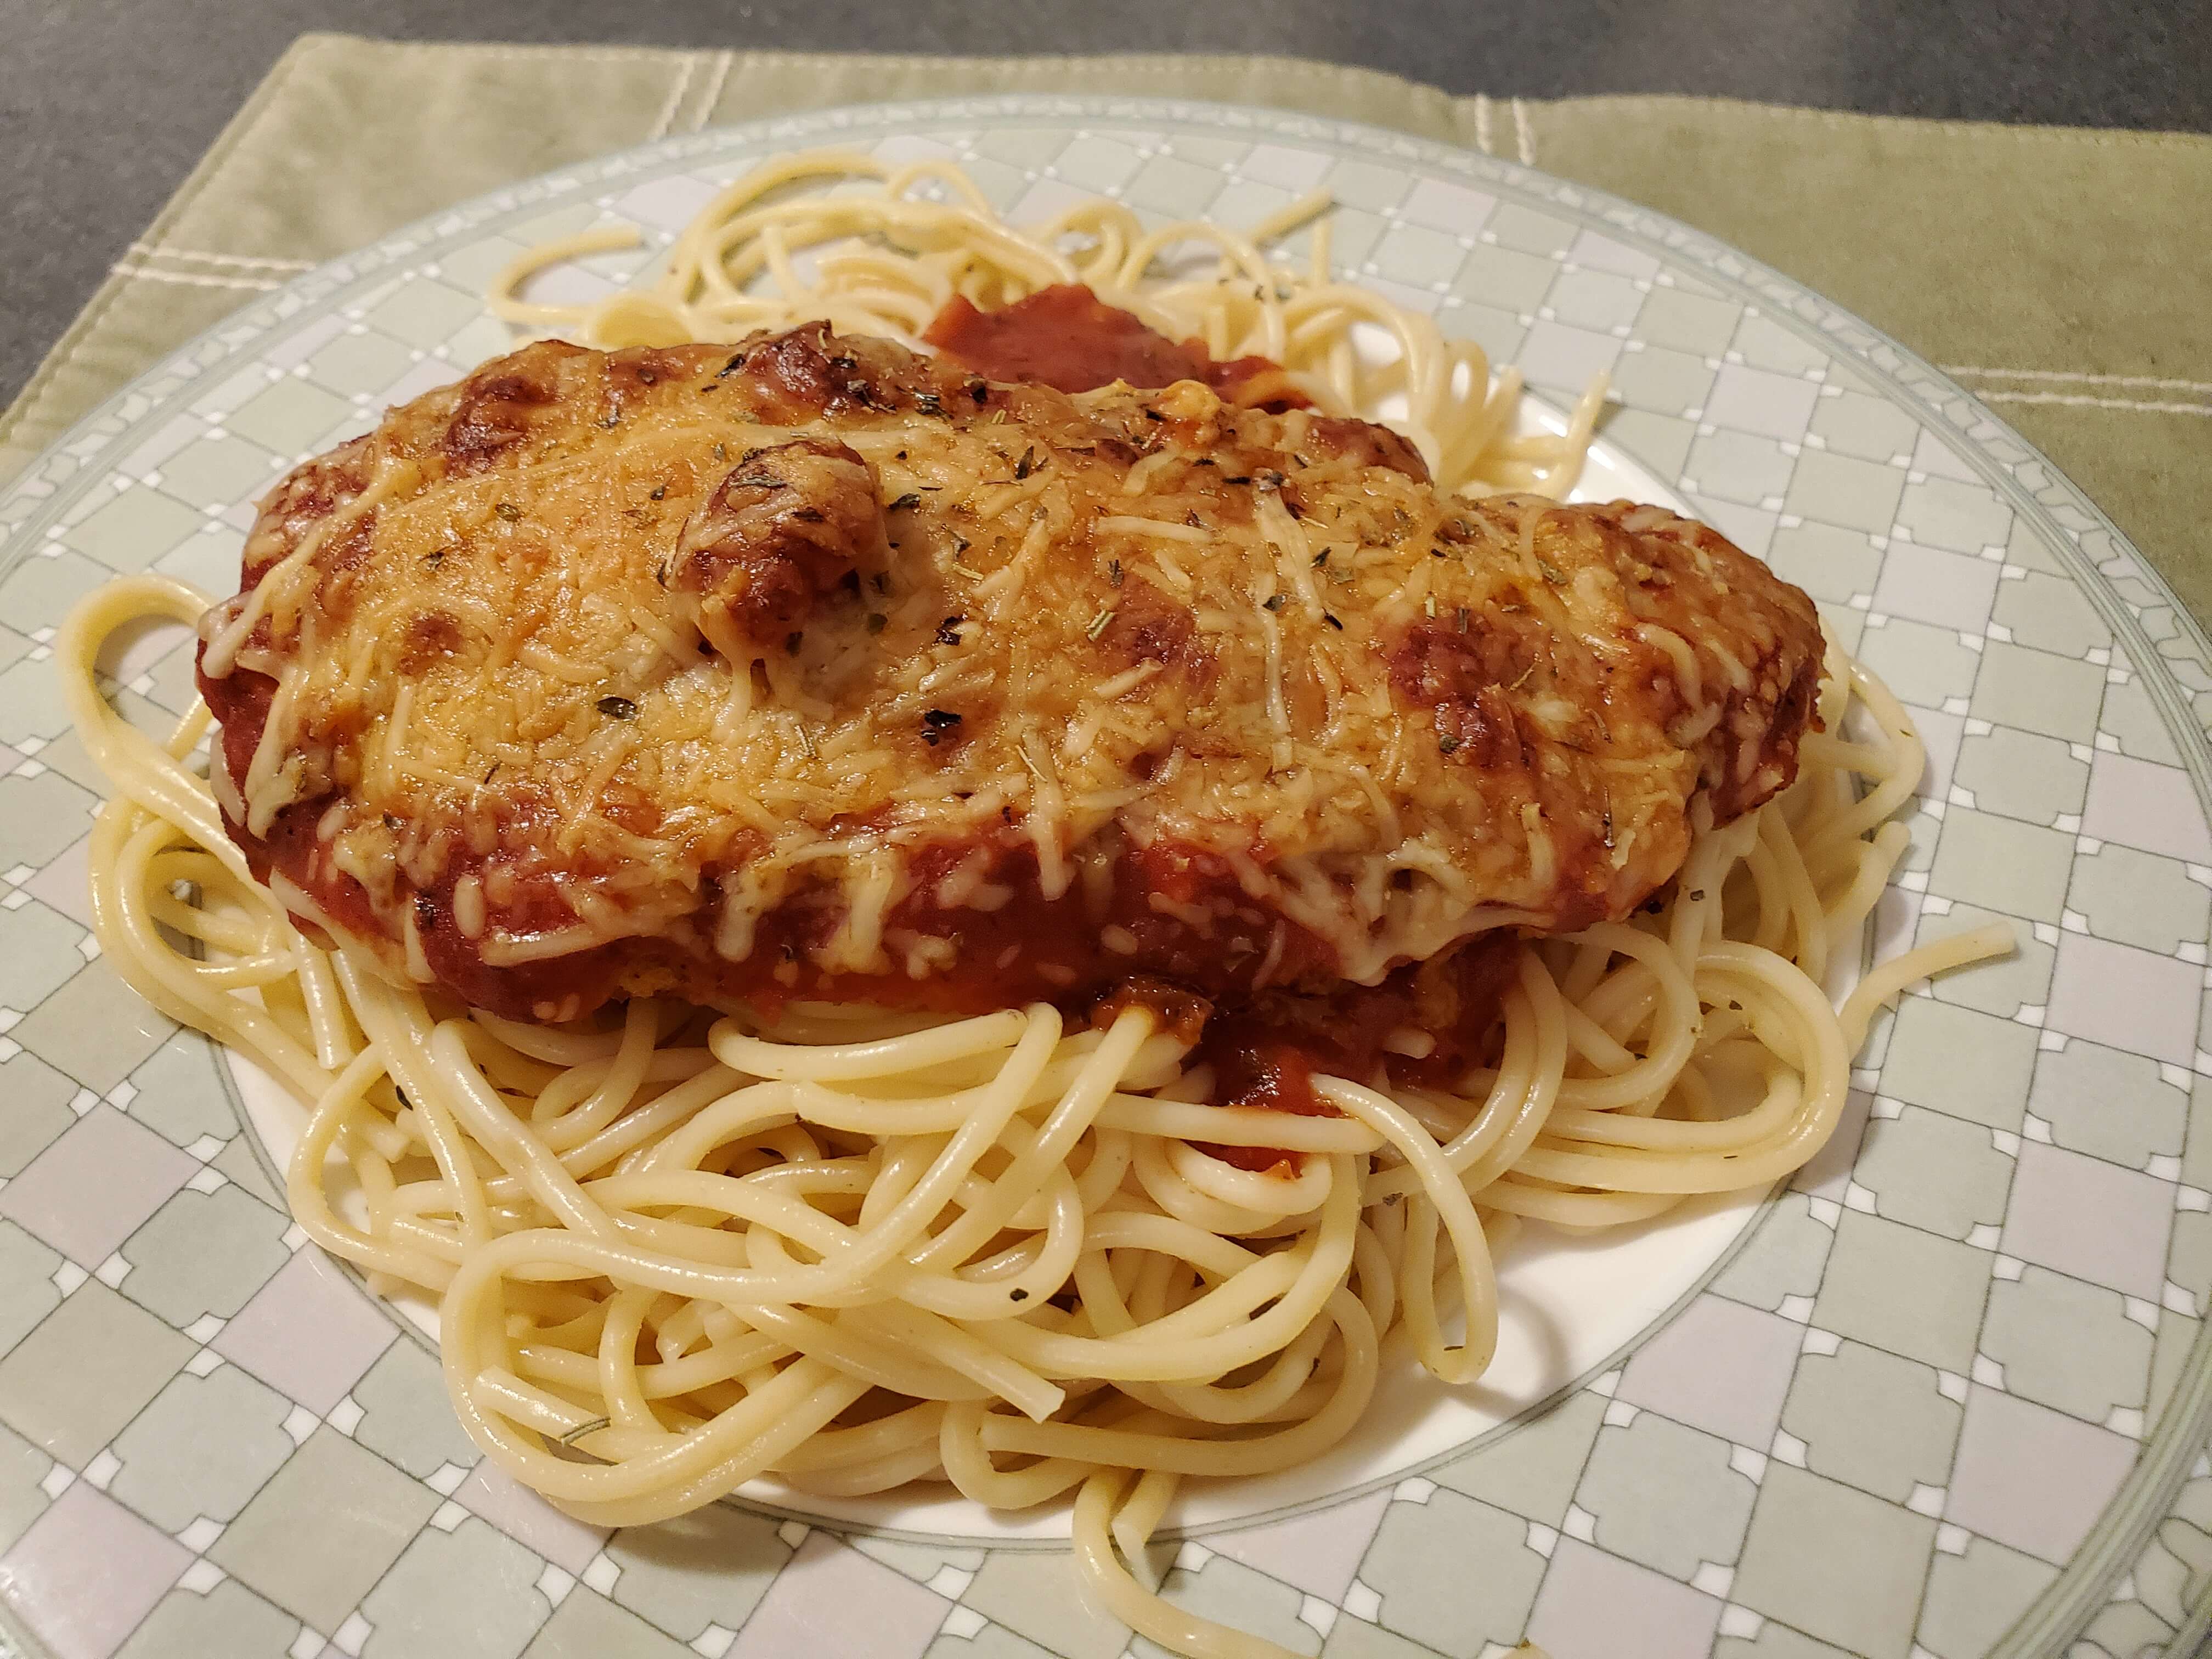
(873, 256)
(854, 1251)
(677, 1250)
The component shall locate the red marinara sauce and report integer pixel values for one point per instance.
(1067, 337)
(1264, 1048)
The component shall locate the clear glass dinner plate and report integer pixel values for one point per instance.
(1945, 1393)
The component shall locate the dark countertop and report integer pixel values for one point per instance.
(106, 105)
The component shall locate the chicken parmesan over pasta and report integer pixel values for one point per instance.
(814, 668)
(947, 863)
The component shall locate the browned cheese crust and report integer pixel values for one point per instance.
(814, 667)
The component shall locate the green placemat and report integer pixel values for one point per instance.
(2060, 274)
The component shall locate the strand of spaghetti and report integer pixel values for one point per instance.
(122, 857)
(621, 1327)
(308, 1200)
(852, 1062)
(554, 1115)
(1827, 750)
(1889, 792)
(399, 1032)
(1289, 217)
(146, 773)
(1259, 1454)
(960, 1350)
(1593, 1044)
(1696, 914)
(318, 990)
(1654, 1071)
(671, 1378)
(1276, 1395)
(969, 1466)
(1219, 1330)
(880, 1474)
(1770, 1117)
(1769, 903)
(1807, 920)
(877, 1357)
(536, 1411)
(553, 1046)
(1139, 1518)
(304, 1178)
(997, 1287)
(637, 1128)
(1816, 1100)
(1586, 1211)
(508, 284)
(1062, 1129)
(1449, 1204)
(1887, 980)
(1232, 1126)
(759, 181)
(565, 1255)
(712, 1460)
(893, 1236)
(1271, 1192)
(901, 181)
(1872, 867)
(491, 1126)
(238, 934)
(1141, 1609)
(831, 1447)
(519, 1074)
(1536, 1093)
(801, 1401)
(1570, 449)
(994, 1289)
(1157, 1175)
(776, 1206)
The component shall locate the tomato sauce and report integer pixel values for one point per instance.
(1068, 338)
(1266, 1049)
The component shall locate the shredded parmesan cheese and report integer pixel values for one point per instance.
(1389, 712)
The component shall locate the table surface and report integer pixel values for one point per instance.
(106, 104)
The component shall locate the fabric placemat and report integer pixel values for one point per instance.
(2059, 273)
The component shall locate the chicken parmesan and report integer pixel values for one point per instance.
(813, 667)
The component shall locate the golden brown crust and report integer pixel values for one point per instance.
(812, 664)
(782, 529)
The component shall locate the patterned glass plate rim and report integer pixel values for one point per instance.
(1720, 361)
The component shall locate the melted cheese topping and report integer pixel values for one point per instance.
(1118, 619)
